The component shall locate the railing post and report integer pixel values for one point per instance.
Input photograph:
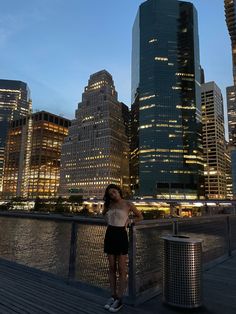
(229, 235)
(175, 227)
(132, 263)
(73, 249)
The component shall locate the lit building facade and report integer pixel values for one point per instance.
(214, 145)
(96, 151)
(230, 14)
(229, 181)
(233, 163)
(231, 108)
(166, 145)
(14, 102)
(33, 154)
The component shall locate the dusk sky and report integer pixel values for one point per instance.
(54, 45)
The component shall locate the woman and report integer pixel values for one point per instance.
(116, 212)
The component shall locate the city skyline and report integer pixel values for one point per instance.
(72, 36)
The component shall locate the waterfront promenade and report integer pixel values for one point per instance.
(25, 290)
(219, 292)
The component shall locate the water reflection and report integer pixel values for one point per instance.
(91, 264)
(40, 244)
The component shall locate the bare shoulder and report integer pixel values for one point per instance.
(130, 205)
(134, 209)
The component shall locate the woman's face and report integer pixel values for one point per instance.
(114, 194)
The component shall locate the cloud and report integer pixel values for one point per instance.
(12, 24)
(4, 35)
(7, 28)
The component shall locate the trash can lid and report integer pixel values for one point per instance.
(181, 238)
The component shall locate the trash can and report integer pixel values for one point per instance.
(182, 271)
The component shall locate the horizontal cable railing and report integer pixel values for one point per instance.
(72, 247)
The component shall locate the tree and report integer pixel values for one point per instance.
(37, 204)
(76, 199)
(60, 207)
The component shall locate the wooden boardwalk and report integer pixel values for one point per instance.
(24, 290)
(27, 291)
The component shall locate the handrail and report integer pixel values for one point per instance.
(55, 217)
(99, 219)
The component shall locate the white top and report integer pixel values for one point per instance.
(116, 217)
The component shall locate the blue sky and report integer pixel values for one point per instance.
(54, 45)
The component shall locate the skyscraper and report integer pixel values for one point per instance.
(14, 102)
(231, 104)
(230, 14)
(33, 154)
(214, 144)
(96, 151)
(166, 151)
(229, 176)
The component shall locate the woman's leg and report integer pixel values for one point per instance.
(122, 268)
(112, 274)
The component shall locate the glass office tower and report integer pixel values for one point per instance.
(14, 103)
(166, 146)
(230, 15)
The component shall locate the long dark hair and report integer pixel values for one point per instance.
(107, 198)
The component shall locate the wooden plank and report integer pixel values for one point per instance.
(42, 291)
(12, 304)
(26, 291)
(16, 300)
(49, 302)
(50, 295)
(66, 288)
(7, 308)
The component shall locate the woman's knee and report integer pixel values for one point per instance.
(122, 271)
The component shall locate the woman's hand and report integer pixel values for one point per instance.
(129, 222)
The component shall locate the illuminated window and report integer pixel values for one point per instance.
(152, 40)
(146, 97)
(164, 59)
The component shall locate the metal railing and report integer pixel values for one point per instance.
(219, 242)
(72, 247)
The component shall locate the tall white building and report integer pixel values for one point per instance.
(214, 145)
(96, 151)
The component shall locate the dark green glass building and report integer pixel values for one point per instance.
(166, 145)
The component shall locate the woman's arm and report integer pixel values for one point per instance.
(137, 213)
(105, 210)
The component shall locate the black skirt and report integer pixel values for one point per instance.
(116, 241)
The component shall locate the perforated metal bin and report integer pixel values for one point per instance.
(182, 271)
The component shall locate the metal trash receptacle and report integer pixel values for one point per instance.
(182, 271)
